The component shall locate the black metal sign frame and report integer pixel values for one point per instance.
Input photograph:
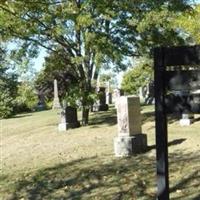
(163, 58)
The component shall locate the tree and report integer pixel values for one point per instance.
(189, 25)
(8, 87)
(56, 67)
(91, 33)
(138, 76)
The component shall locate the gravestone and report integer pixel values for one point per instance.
(130, 139)
(108, 94)
(68, 119)
(56, 102)
(100, 103)
(187, 119)
(146, 93)
(116, 94)
(102, 99)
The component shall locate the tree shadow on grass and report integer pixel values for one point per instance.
(105, 117)
(150, 117)
(171, 143)
(110, 178)
(21, 116)
(90, 178)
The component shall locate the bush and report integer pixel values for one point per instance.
(27, 98)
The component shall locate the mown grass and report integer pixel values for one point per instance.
(38, 162)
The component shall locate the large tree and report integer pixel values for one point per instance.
(91, 33)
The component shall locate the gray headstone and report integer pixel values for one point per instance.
(100, 104)
(130, 139)
(68, 119)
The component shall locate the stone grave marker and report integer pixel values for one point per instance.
(68, 119)
(100, 103)
(102, 99)
(130, 139)
(56, 102)
(108, 94)
(116, 94)
(187, 119)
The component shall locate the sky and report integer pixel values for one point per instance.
(38, 62)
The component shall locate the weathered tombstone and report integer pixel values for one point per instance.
(130, 139)
(56, 102)
(62, 126)
(102, 106)
(108, 94)
(117, 93)
(68, 118)
(146, 93)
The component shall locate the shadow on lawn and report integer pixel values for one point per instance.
(171, 118)
(105, 117)
(131, 178)
(110, 117)
(21, 115)
(171, 143)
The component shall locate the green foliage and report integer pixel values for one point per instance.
(74, 97)
(8, 87)
(189, 24)
(27, 98)
(56, 66)
(138, 76)
(6, 103)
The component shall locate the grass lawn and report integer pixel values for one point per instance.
(38, 162)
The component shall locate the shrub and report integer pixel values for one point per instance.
(27, 98)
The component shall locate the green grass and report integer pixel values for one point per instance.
(38, 162)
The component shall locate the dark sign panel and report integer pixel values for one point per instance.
(183, 55)
(182, 103)
(183, 91)
(182, 80)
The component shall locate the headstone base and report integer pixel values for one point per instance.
(56, 104)
(186, 120)
(129, 145)
(62, 127)
(65, 126)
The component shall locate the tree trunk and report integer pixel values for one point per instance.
(85, 115)
(86, 104)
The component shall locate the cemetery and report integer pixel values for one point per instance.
(99, 100)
